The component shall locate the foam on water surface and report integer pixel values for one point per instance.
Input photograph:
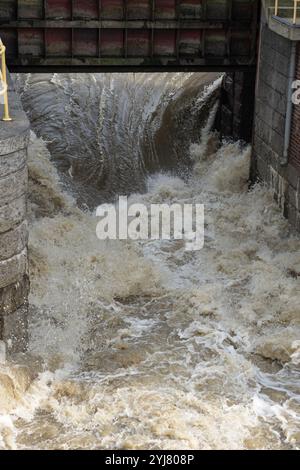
(145, 345)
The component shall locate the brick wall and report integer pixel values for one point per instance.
(269, 129)
(294, 150)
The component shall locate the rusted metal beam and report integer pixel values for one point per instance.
(129, 33)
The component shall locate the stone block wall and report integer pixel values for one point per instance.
(294, 156)
(272, 90)
(14, 281)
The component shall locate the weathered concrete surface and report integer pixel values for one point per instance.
(282, 24)
(13, 241)
(284, 28)
(270, 115)
(14, 281)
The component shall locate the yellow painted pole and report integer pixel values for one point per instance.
(295, 11)
(6, 116)
(276, 7)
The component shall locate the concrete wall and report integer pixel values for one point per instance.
(14, 281)
(270, 115)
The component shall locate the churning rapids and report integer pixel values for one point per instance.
(142, 345)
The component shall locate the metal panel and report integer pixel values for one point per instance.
(85, 42)
(192, 9)
(138, 10)
(215, 43)
(242, 10)
(240, 45)
(8, 9)
(217, 10)
(87, 9)
(190, 42)
(112, 9)
(59, 9)
(58, 42)
(10, 39)
(31, 42)
(165, 9)
(138, 43)
(112, 43)
(180, 34)
(164, 43)
(31, 9)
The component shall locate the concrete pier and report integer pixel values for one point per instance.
(14, 280)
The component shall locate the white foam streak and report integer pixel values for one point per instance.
(146, 345)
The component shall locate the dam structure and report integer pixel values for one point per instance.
(256, 47)
(129, 35)
(99, 36)
(139, 343)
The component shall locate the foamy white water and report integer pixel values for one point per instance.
(145, 345)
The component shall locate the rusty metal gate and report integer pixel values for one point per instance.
(129, 34)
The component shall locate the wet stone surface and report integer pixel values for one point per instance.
(14, 138)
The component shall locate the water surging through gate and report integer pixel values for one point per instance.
(145, 345)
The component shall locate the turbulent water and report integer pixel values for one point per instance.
(106, 132)
(142, 345)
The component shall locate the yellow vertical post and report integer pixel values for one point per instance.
(6, 116)
(276, 7)
(295, 11)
